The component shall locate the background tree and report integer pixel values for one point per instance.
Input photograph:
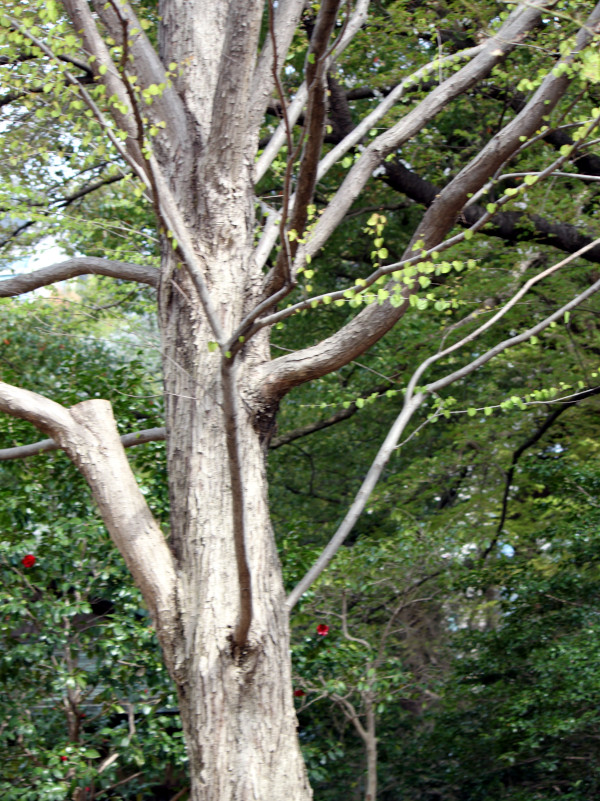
(184, 123)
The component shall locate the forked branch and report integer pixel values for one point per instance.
(88, 434)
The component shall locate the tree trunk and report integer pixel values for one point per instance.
(236, 702)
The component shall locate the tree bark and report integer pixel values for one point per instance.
(235, 690)
(236, 704)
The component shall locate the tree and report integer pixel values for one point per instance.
(177, 109)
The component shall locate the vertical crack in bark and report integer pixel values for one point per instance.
(230, 410)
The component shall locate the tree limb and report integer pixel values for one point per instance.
(286, 22)
(362, 496)
(511, 226)
(312, 135)
(356, 21)
(88, 434)
(319, 425)
(375, 320)
(46, 445)
(412, 401)
(80, 265)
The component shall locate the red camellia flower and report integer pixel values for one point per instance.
(28, 561)
(299, 693)
(322, 629)
(63, 759)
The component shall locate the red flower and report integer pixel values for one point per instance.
(322, 629)
(28, 561)
(299, 693)
(63, 759)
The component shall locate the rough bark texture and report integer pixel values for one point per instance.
(236, 702)
(237, 707)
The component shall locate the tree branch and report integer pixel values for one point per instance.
(80, 265)
(412, 401)
(286, 23)
(312, 135)
(372, 323)
(46, 445)
(362, 496)
(319, 425)
(88, 434)
(511, 226)
(356, 21)
(496, 48)
(159, 434)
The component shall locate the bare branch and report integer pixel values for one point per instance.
(496, 48)
(356, 21)
(46, 445)
(312, 135)
(294, 110)
(80, 265)
(413, 400)
(435, 386)
(269, 237)
(512, 226)
(159, 434)
(88, 434)
(362, 496)
(319, 425)
(286, 21)
(304, 431)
